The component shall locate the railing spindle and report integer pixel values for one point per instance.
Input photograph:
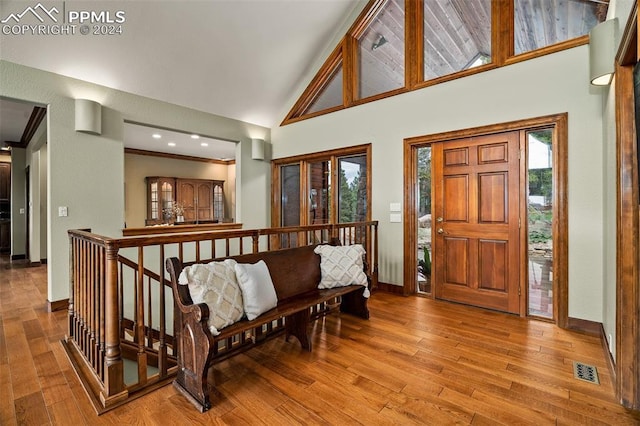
(162, 349)
(142, 354)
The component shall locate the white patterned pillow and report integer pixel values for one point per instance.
(216, 285)
(258, 293)
(341, 266)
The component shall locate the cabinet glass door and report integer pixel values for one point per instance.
(154, 201)
(167, 201)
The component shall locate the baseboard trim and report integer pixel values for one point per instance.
(58, 305)
(34, 264)
(18, 256)
(389, 288)
(611, 363)
(591, 328)
(43, 261)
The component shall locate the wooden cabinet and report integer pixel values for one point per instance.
(5, 181)
(202, 200)
(160, 198)
(197, 198)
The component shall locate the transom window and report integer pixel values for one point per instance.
(400, 45)
(381, 52)
(456, 36)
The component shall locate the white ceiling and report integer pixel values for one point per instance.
(146, 138)
(240, 59)
(14, 117)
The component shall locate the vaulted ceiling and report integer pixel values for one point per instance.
(240, 59)
(243, 59)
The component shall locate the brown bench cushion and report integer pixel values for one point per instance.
(293, 271)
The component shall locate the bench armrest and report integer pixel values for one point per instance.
(194, 340)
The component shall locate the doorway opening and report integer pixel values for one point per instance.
(468, 259)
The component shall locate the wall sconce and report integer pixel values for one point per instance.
(257, 149)
(88, 116)
(602, 52)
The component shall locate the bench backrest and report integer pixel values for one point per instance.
(293, 271)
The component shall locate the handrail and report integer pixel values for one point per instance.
(121, 312)
(146, 240)
(147, 273)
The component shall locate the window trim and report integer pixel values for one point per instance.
(559, 124)
(303, 160)
(502, 54)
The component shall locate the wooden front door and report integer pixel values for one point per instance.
(476, 209)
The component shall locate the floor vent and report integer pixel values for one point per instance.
(585, 372)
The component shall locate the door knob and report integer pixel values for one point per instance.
(439, 219)
(440, 231)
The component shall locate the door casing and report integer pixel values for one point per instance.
(557, 122)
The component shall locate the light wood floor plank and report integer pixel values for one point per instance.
(30, 410)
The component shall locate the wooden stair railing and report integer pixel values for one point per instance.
(120, 338)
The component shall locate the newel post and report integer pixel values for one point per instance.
(113, 364)
(72, 284)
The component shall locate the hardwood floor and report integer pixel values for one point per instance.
(415, 361)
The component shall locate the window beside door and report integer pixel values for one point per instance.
(539, 223)
(424, 220)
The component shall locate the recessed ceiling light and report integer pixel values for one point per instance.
(195, 136)
(156, 135)
(171, 144)
(204, 144)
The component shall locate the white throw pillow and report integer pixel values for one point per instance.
(216, 285)
(258, 293)
(341, 266)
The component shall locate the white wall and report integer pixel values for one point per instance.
(37, 161)
(254, 178)
(43, 202)
(550, 84)
(86, 172)
(138, 167)
(230, 192)
(619, 9)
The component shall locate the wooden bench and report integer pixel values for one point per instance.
(295, 273)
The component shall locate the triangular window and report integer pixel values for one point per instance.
(330, 96)
(325, 92)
